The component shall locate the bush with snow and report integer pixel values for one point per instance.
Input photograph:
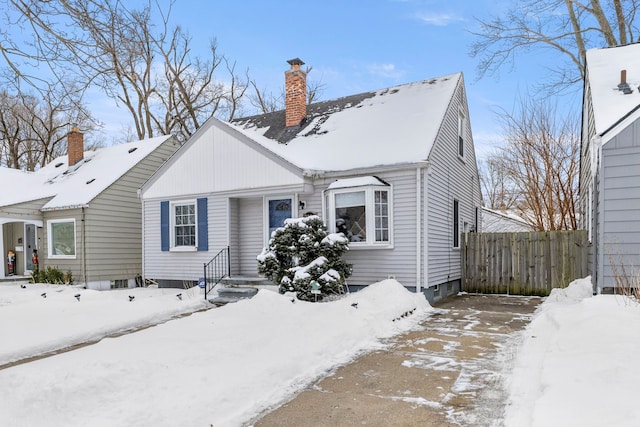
(303, 255)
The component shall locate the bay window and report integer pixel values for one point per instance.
(359, 208)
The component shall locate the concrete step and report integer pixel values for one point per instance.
(237, 281)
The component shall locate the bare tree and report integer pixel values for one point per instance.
(541, 159)
(266, 102)
(568, 27)
(498, 189)
(146, 66)
(33, 129)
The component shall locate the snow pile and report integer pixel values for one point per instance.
(576, 364)
(220, 367)
(42, 318)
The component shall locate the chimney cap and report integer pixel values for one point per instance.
(295, 62)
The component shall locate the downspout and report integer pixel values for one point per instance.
(418, 228)
(427, 171)
(143, 240)
(84, 251)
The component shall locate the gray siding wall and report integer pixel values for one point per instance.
(620, 206)
(373, 265)
(27, 210)
(114, 222)
(250, 235)
(450, 177)
(166, 265)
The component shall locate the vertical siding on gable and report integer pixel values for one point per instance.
(620, 206)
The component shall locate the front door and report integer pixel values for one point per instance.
(29, 245)
(279, 210)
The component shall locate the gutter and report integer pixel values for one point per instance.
(312, 173)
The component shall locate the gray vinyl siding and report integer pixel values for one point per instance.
(373, 265)
(250, 235)
(450, 177)
(113, 222)
(620, 205)
(27, 210)
(167, 265)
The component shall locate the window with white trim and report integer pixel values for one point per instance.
(360, 208)
(61, 238)
(183, 224)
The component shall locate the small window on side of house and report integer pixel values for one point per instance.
(461, 133)
(456, 224)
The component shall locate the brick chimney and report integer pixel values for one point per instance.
(295, 93)
(75, 146)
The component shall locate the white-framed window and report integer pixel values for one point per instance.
(184, 224)
(61, 238)
(462, 125)
(361, 209)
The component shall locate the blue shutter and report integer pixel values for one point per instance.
(203, 227)
(164, 225)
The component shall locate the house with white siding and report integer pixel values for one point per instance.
(394, 169)
(81, 212)
(610, 163)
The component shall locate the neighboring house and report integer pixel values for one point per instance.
(395, 169)
(610, 162)
(503, 222)
(81, 212)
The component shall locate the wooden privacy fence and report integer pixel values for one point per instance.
(523, 263)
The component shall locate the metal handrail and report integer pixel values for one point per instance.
(217, 269)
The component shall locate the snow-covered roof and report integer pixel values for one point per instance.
(503, 222)
(77, 185)
(610, 104)
(391, 126)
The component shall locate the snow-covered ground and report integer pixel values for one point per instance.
(574, 364)
(219, 367)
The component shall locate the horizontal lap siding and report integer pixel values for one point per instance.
(250, 235)
(450, 177)
(373, 265)
(182, 265)
(620, 200)
(113, 223)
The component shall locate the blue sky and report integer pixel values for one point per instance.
(357, 45)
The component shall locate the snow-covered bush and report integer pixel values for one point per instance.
(302, 254)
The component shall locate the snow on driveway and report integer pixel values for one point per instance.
(220, 367)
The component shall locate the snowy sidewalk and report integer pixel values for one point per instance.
(447, 373)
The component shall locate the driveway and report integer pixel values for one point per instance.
(447, 373)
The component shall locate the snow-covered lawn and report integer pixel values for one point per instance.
(218, 367)
(577, 363)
